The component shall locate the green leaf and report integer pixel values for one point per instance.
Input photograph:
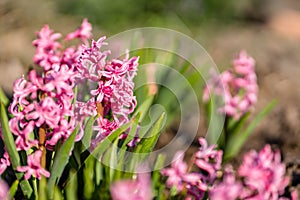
(13, 189)
(159, 164)
(234, 126)
(8, 140)
(110, 159)
(71, 187)
(236, 142)
(3, 98)
(42, 189)
(60, 161)
(57, 194)
(132, 132)
(88, 131)
(88, 175)
(144, 107)
(11, 149)
(105, 144)
(147, 143)
(98, 172)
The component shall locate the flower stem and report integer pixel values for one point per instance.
(42, 139)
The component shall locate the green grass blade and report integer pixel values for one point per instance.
(60, 161)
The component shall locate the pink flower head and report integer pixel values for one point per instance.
(114, 92)
(176, 172)
(264, 174)
(139, 189)
(238, 88)
(244, 64)
(4, 163)
(228, 189)
(4, 190)
(83, 32)
(208, 159)
(34, 166)
(46, 48)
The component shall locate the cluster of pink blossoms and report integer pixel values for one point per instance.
(43, 105)
(238, 87)
(112, 99)
(138, 189)
(261, 176)
(208, 159)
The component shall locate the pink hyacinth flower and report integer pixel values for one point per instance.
(139, 189)
(83, 32)
(4, 190)
(34, 166)
(176, 172)
(264, 174)
(4, 163)
(244, 64)
(209, 159)
(228, 189)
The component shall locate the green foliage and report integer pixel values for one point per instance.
(12, 151)
(239, 132)
(60, 161)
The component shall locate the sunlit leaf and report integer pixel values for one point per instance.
(11, 149)
(60, 161)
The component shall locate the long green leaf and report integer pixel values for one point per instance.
(159, 164)
(3, 97)
(88, 176)
(236, 142)
(13, 189)
(11, 149)
(9, 140)
(132, 132)
(88, 131)
(147, 143)
(60, 161)
(110, 159)
(144, 107)
(103, 146)
(71, 187)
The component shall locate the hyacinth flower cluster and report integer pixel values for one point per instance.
(42, 103)
(111, 85)
(237, 87)
(43, 108)
(260, 176)
(137, 189)
(207, 159)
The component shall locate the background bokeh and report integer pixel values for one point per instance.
(268, 29)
